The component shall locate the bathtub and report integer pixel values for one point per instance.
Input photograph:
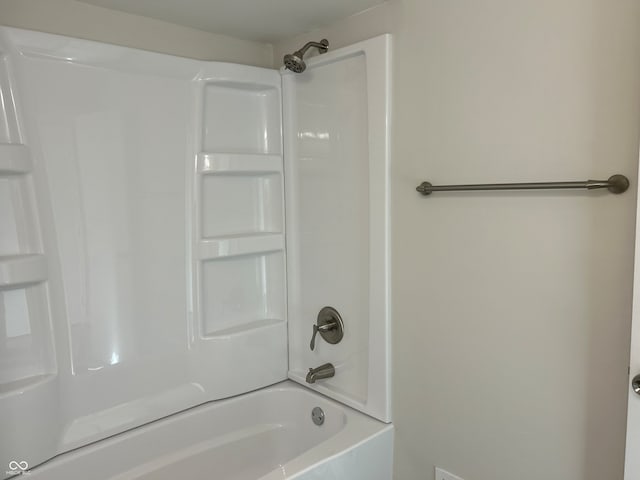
(268, 434)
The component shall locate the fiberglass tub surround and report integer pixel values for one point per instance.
(143, 268)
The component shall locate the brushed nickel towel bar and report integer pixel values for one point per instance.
(615, 184)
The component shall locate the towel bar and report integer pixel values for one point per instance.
(615, 184)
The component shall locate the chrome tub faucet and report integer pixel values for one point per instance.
(323, 371)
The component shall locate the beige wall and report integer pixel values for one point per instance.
(68, 17)
(511, 311)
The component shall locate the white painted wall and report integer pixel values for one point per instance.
(76, 19)
(511, 311)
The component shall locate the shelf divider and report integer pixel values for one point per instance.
(238, 164)
(231, 246)
(19, 270)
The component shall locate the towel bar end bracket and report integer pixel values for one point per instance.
(618, 184)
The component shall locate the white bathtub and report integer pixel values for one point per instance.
(267, 435)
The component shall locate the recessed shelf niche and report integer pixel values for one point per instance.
(245, 204)
(25, 337)
(239, 243)
(242, 292)
(18, 233)
(241, 118)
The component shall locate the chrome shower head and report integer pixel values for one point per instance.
(295, 61)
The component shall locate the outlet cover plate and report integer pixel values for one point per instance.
(444, 475)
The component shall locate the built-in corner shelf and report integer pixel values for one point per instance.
(234, 245)
(20, 270)
(14, 159)
(239, 164)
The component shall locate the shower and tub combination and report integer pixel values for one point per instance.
(194, 263)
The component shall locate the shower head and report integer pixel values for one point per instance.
(295, 61)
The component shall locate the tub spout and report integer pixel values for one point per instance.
(323, 371)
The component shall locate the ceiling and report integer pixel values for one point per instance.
(259, 20)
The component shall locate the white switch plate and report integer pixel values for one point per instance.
(444, 475)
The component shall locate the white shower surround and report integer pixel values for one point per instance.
(143, 268)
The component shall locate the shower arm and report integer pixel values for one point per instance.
(323, 46)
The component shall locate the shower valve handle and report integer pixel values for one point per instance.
(321, 328)
(312, 345)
